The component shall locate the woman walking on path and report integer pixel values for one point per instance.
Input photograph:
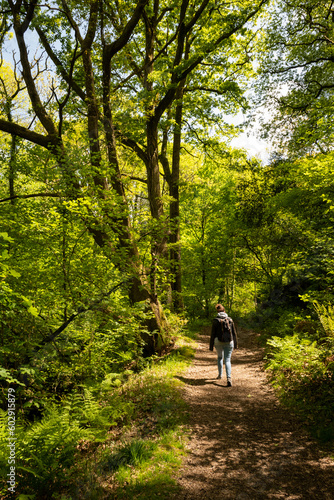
(245, 445)
(224, 338)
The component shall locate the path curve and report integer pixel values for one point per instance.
(244, 445)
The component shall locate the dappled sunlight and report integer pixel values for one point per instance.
(245, 445)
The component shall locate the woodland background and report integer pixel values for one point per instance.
(126, 214)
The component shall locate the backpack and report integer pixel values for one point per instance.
(225, 334)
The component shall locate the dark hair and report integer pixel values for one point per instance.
(219, 307)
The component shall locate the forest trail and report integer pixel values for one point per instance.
(244, 444)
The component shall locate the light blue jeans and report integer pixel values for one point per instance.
(224, 353)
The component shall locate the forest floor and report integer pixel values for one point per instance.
(244, 444)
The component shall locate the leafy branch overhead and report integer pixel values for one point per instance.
(174, 41)
(298, 77)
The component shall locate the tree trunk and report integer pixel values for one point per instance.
(118, 222)
(12, 168)
(159, 231)
(174, 208)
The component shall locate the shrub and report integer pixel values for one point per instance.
(302, 372)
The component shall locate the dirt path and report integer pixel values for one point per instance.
(244, 444)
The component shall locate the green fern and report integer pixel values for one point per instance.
(85, 409)
(326, 316)
(302, 373)
(46, 450)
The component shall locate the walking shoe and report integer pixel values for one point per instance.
(219, 377)
(229, 383)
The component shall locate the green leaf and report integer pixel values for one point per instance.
(14, 273)
(32, 310)
(6, 237)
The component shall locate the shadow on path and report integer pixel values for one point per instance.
(244, 444)
(196, 381)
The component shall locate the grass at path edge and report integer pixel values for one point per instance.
(141, 457)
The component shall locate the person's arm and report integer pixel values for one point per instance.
(235, 336)
(212, 338)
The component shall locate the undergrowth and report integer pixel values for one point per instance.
(122, 438)
(302, 371)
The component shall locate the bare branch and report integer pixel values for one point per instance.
(80, 310)
(36, 103)
(67, 76)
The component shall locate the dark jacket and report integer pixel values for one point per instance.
(216, 329)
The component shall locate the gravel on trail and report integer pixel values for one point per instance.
(244, 444)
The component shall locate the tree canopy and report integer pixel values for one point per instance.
(298, 75)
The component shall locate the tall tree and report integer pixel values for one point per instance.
(80, 61)
(183, 48)
(92, 47)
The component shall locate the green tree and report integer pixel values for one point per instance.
(90, 62)
(212, 257)
(296, 74)
(177, 55)
(251, 231)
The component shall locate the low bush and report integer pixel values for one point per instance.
(302, 372)
(130, 424)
